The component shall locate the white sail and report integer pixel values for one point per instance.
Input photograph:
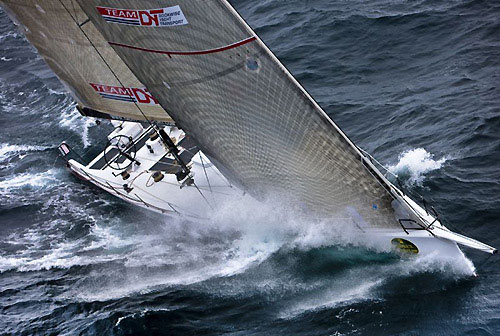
(83, 60)
(224, 87)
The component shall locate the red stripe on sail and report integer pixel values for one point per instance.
(197, 52)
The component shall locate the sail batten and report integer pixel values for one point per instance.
(246, 110)
(83, 60)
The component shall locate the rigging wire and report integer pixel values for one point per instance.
(206, 175)
(104, 60)
(484, 262)
(413, 193)
(206, 200)
(381, 165)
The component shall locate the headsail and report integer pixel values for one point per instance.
(83, 60)
(223, 86)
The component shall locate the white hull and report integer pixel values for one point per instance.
(211, 188)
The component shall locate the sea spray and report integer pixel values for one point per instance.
(71, 119)
(7, 150)
(415, 163)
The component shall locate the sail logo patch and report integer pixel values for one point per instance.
(131, 95)
(161, 17)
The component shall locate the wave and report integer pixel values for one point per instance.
(125, 259)
(242, 239)
(7, 150)
(414, 164)
(31, 180)
(365, 283)
(26, 189)
(10, 34)
(71, 119)
(61, 257)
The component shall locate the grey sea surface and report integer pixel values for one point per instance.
(415, 83)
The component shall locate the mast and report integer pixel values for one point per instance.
(224, 87)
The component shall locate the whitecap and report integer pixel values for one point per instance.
(55, 92)
(362, 283)
(37, 180)
(71, 118)
(7, 150)
(416, 163)
(336, 296)
(12, 34)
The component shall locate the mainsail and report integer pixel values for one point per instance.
(223, 86)
(82, 59)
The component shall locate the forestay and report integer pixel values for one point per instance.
(225, 88)
(52, 26)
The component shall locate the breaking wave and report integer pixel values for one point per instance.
(7, 150)
(414, 164)
(242, 239)
(10, 34)
(71, 119)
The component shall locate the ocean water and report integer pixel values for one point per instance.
(416, 83)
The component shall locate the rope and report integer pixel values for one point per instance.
(55, 161)
(377, 162)
(206, 200)
(484, 262)
(159, 161)
(229, 185)
(206, 175)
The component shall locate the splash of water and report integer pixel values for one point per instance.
(415, 164)
(30, 180)
(241, 235)
(70, 118)
(360, 284)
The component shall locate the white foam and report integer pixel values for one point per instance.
(62, 253)
(246, 233)
(361, 283)
(12, 34)
(437, 263)
(61, 256)
(417, 162)
(29, 180)
(70, 118)
(241, 234)
(55, 92)
(105, 237)
(142, 314)
(7, 150)
(344, 293)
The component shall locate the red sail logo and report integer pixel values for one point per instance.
(161, 17)
(150, 18)
(130, 95)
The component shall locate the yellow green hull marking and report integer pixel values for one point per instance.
(404, 245)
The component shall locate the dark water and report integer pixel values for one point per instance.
(416, 83)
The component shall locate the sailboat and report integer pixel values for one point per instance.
(204, 111)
